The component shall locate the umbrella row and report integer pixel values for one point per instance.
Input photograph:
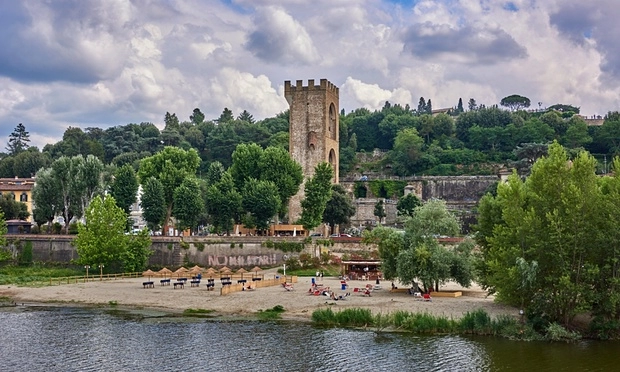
(182, 271)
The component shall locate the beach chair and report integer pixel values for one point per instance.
(288, 286)
(427, 297)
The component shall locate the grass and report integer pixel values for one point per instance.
(477, 322)
(327, 271)
(271, 314)
(197, 312)
(31, 274)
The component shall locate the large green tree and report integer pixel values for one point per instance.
(188, 204)
(125, 187)
(548, 235)
(171, 167)
(13, 209)
(153, 203)
(260, 199)
(223, 203)
(515, 102)
(317, 193)
(339, 208)
(101, 240)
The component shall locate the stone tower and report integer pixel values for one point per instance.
(313, 127)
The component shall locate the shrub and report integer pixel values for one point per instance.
(354, 317)
(556, 332)
(271, 314)
(200, 246)
(477, 322)
(324, 317)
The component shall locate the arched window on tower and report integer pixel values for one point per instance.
(332, 121)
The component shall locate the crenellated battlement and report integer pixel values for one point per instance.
(324, 84)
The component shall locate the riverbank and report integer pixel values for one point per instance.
(298, 303)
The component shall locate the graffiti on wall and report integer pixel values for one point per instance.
(250, 260)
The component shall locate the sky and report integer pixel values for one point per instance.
(103, 63)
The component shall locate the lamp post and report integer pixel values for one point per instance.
(101, 272)
(87, 267)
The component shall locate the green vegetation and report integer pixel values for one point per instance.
(284, 246)
(33, 274)
(477, 322)
(271, 314)
(200, 313)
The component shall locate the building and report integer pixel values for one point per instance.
(18, 189)
(313, 128)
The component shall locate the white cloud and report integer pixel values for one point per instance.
(106, 63)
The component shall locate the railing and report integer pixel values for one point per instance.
(91, 278)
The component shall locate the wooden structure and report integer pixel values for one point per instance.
(362, 269)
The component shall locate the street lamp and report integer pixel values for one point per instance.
(87, 267)
(101, 272)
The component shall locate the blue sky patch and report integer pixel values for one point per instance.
(510, 6)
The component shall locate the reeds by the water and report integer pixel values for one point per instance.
(477, 322)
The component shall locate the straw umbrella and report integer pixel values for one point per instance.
(165, 271)
(210, 271)
(226, 272)
(181, 271)
(224, 269)
(148, 273)
(256, 269)
(241, 271)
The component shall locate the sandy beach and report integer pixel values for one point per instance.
(298, 303)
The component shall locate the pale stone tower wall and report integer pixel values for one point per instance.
(313, 126)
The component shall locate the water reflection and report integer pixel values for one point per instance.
(69, 339)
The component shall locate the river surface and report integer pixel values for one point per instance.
(83, 339)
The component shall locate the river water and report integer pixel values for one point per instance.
(81, 339)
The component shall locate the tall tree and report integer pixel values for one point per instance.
(472, 105)
(223, 203)
(18, 140)
(197, 116)
(171, 121)
(46, 197)
(555, 220)
(246, 116)
(260, 199)
(153, 203)
(226, 116)
(339, 208)
(422, 106)
(317, 193)
(188, 204)
(170, 166)
(101, 239)
(459, 107)
(124, 188)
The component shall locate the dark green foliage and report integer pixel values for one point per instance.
(271, 314)
(25, 258)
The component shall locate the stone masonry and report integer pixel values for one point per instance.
(313, 127)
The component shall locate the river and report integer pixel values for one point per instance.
(85, 339)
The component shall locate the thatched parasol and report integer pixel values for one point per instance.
(165, 271)
(226, 272)
(241, 271)
(181, 271)
(196, 270)
(210, 271)
(148, 273)
(222, 269)
(256, 269)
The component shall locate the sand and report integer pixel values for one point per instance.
(298, 303)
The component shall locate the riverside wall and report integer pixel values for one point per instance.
(231, 251)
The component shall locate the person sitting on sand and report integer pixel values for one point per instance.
(367, 292)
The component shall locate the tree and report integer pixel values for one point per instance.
(226, 116)
(223, 203)
(46, 197)
(171, 121)
(188, 204)
(170, 166)
(407, 152)
(556, 219)
(13, 210)
(101, 239)
(459, 107)
(515, 102)
(406, 205)
(260, 199)
(379, 210)
(422, 106)
(214, 173)
(273, 164)
(246, 116)
(339, 208)
(429, 107)
(18, 140)
(153, 203)
(318, 191)
(124, 188)
(430, 220)
(472, 105)
(577, 133)
(197, 116)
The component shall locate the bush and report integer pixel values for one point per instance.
(477, 322)
(26, 256)
(556, 332)
(200, 246)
